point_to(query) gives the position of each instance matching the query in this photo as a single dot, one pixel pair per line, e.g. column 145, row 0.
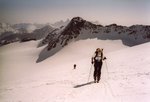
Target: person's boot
column 98, row 80
column 95, row 79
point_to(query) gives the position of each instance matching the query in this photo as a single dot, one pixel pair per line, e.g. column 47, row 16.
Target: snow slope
column 125, row 75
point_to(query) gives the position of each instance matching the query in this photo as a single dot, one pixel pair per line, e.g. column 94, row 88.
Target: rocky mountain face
column 79, row 28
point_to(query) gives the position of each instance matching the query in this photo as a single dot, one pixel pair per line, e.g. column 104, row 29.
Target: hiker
column 97, row 60
column 74, row 66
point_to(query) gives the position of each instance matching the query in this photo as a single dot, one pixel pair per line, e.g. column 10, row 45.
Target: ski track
column 97, row 90
column 121, row 81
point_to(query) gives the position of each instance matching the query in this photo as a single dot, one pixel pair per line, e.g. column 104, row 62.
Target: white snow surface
column 125, row 73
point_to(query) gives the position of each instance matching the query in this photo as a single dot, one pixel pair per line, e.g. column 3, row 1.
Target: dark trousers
column 97, row 70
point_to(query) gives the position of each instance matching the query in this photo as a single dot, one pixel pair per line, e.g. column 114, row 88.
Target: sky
column 123, row 12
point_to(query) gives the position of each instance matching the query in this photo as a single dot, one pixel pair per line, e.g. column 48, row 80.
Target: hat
column 98, row 49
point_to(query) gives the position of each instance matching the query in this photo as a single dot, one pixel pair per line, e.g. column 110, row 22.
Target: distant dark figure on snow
column 74, row 66
column 97, row 60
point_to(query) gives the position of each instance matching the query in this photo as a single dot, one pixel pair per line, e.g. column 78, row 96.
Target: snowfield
column 125, row 73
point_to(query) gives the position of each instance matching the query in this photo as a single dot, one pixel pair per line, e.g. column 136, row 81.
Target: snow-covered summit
column 78, row 29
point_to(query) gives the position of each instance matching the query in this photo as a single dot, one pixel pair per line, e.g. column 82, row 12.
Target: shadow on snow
column 84, row 84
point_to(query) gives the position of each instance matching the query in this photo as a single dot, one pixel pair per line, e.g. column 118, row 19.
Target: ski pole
column 106, row 67
column 90, row 72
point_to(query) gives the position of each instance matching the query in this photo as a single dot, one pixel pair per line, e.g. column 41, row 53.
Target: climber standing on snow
column 97, row 60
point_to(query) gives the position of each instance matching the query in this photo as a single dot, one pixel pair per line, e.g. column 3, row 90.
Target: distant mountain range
column 79, row 28
column 73, row 30
column 22, row 32
column 27, row 31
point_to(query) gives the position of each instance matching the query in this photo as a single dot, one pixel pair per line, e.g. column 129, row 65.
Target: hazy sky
column 124, row 12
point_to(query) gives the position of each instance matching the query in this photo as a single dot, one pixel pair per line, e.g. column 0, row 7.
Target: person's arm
column 103, row 57
column 92, row 60
column 102, row 54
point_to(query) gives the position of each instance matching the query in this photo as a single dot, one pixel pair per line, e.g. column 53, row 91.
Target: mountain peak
column 74, row 27
column 77, row 19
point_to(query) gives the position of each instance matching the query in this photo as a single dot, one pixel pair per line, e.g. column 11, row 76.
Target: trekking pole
column 106, row 67
column 90, row 73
